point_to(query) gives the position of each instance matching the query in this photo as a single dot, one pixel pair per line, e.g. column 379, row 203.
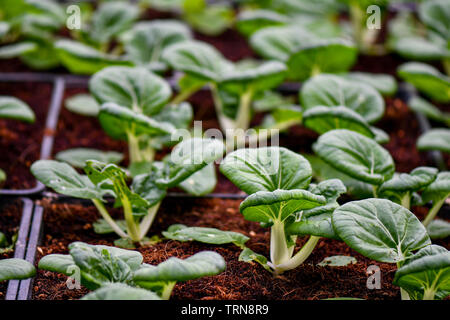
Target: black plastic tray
column 20, row 248
column 50, row 124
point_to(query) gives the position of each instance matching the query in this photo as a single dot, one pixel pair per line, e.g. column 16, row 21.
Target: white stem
column 300, row 256
column 433, row 212
column 104, row 213
column 279, row 252
column 146, row 223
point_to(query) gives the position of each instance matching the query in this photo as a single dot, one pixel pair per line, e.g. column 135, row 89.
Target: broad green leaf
column 180, row 116
column 117, row 120
column 135, row 88
column 270, row 100
column 323, row 119
column 438, row 229
column 61, row 263
column 120, row 291
column 427, row 80
column 435, row 139
column 17, row 49
column 436, row 15
column 383, row 83
column 188, row 157
column 183, row 233
column 381, row 136
column 209, row 19
column 426, row 275
column 265, row 206
column 250, row 21
column 148, row 39
column 355, row 155
column 403, row 183
column 43, row 57
column 420, row 105
column 204, row 263
column 16, row 269
column 262, row 77
column 266, row 169
column 201, row 182
column 421, row 49
column 83, row 104
column 279, row 43
column 332, row 90
column 13, row 108
column 112, row 18
column 438, row 190
column 82, row 59
column 197, row 59
column 337, row 261
column 77, row 157
column 324, row 56
column 64, row 179
column 248, row 255
column 380, row 229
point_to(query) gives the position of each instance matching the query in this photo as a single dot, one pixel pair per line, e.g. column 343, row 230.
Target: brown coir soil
column 20, row 142
column 10, row 213
column 65, row 223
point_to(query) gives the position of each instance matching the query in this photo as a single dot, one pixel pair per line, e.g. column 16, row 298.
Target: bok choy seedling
column 141, row 201
column 276, row 180
column 16, row 269
column 13, row 108
column 115, row 273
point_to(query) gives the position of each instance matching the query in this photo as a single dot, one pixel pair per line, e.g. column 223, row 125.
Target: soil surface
column 10, row 214
column 20, row 142
column 65, row 223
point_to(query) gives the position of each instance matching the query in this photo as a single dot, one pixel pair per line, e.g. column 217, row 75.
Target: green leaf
column 427, row 80
column 16, row 269
column 417, row 48
column 438, row 229
column 117, row 120
column 427, row 274
column 420, row 105
column 279, row 43
column 197, row 59
column 82, row 59
column 383, row 83
column 331, row 90
column 43, row 57
column 337, row 261
column 183, row 233
column 323, row 119
column 13, row 108
column 259, row 78
column 101, row 226
column 265, row 206
column 381, row 136
column 201, row 182
column 403, row 183
column 64, row 179
column 266, row 169
column 134, row 88
column 380, row 229
column 435, row 139
column 355, row 155
column 205, row 263
column 250, row 21
column 188, row 157
column 147, row 40
column 248, row 255
column 211, row 20
column 77, row 157
column 83, row 104
column 436, row 15
column 322, row 56
column 439, row 189
column 17, row 49
column 110, row 19
column 120, row 291
column 145, row 184
column 61, row 263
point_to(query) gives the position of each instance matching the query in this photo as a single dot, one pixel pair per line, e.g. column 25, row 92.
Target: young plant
column 437, row 192
column 426, row 276
column 357, row 156
column 16, row 269
column 114, row 273
column 276, row 179
column 435, row 139
column 304, row 53
column 141, row 201
column 387, row 232
column 13, row 108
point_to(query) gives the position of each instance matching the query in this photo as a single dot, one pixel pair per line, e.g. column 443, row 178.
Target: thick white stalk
column 279, row 252
column 104, row 213
column 300, row 256
column 146, row 223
